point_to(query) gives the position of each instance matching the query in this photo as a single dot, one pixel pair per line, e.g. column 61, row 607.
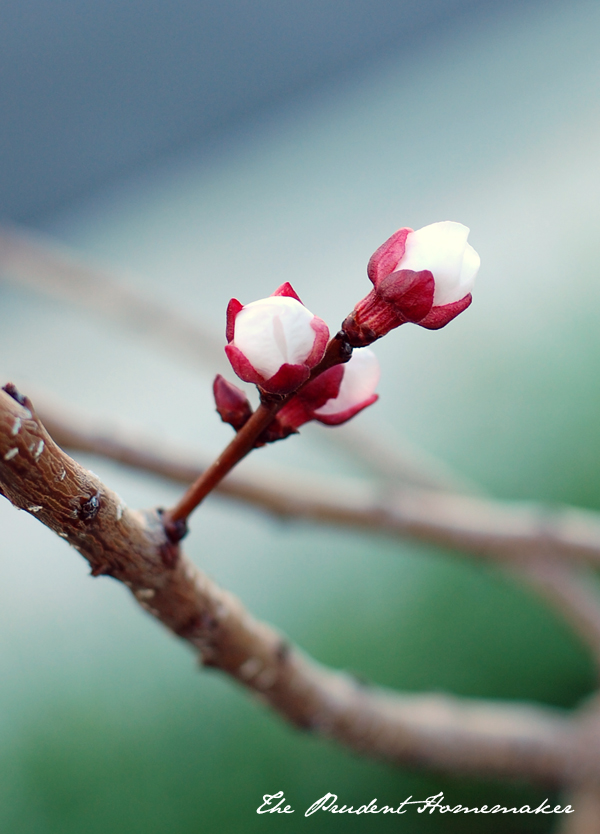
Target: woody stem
column 337, row 352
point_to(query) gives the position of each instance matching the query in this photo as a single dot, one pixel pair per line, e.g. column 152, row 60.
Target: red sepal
column 242, row 366
column 301, row 408
column 385, row 259
column 440, row 316
column 287, row 291
column 343, row 416
column 287, row 379
column 411, row 293
column 323, row 388
column 233, row 308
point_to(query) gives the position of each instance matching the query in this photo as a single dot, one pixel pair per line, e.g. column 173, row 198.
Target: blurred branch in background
column 546, row 550
column 499, row 530
column 586, row 820
column 573, row 593
column 567, row 587
column 400, row 462
column 30, row 261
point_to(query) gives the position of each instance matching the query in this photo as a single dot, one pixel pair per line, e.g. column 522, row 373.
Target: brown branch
column 210, row 478
column 584, row 793
column 337, row 352
column 480, row 527
column 448, row 734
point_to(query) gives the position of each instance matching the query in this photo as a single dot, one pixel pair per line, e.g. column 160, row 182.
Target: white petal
column 470, row 268
column 361, row 375
column 440, row 248
column 273, row 331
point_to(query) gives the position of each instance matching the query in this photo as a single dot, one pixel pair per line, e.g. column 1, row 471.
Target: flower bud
column 232, row 404
column 275, row 342
column 424, row 277
column 337, row 394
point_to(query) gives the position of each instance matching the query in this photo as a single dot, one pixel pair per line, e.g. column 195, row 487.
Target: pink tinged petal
column 344, row 416
column 233, row 308
column 440, row 316
column 274, row 331
column 387, row 257
column 321, row 339
column 287, row 291
column 357, row 390
column 440, row 248
column 470, row 268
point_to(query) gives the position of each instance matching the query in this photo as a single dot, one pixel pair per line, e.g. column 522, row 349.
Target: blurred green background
column 105, row 722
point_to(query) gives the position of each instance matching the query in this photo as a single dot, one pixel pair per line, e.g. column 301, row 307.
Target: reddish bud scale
column 336, row 395
column 301, row 408
column 232, row 404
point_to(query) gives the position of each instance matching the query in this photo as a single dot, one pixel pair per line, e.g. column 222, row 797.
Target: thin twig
column 337, row 352
column 449, row 734
column 210, row 478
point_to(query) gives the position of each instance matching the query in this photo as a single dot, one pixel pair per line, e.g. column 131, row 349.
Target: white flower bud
column 275, row 342
column 357, row 389
column 442, row 249
column 274, row 331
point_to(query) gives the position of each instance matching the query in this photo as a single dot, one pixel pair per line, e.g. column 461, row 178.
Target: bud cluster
column 422, row 276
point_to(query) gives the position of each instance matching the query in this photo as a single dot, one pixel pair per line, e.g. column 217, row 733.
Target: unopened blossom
column 422, row 276
column 232, row 404
column 275, row 342
column 336, row 395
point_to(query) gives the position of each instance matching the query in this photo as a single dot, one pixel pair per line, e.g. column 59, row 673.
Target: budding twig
column 237, row 449
column 175, row 520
